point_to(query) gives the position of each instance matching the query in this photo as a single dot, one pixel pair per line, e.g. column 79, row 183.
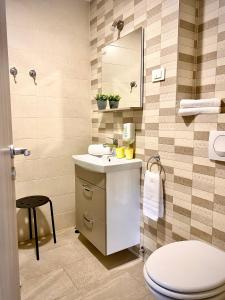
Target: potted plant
column 101, row 101
column 114, row 101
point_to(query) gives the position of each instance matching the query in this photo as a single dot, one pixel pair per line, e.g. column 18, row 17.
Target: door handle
column 18, row 151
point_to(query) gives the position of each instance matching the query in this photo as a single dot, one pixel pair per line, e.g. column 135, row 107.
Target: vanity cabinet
column 108, row 208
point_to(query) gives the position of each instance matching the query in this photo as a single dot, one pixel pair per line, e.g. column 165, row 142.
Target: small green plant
column 114, row 97
column 101, row 101
column 114, row 100
column 101, row 97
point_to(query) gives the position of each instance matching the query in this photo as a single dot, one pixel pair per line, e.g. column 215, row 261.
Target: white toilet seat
column 186, row 270
column 182, row 296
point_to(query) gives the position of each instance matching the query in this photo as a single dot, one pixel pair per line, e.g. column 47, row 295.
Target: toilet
column 186, row 270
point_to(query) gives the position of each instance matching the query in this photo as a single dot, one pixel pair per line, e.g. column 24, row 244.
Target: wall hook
column 119, row 25
column 33, row 75
column 14, row 72
column 133, row 84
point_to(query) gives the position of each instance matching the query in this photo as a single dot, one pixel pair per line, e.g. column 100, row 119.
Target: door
column 9, row 267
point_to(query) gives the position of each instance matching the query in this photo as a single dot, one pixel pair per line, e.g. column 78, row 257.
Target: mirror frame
column 141, row 67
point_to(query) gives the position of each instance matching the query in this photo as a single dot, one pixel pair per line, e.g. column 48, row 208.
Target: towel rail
column 156, row 161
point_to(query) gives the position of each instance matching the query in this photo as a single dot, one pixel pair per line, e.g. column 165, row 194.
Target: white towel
column 188, row 103
column 99, row 149
column 198, row 110
column 153, row 206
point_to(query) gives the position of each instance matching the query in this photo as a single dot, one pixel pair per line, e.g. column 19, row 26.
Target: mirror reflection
column 122, row 69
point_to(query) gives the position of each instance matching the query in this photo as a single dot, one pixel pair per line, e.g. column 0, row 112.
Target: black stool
column 31, row 202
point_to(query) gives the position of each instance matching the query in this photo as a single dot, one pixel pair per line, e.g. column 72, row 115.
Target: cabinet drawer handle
column 85, row 187
column 88, row 220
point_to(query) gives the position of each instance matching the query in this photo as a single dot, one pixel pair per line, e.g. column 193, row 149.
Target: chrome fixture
column 114, row 144
column 33, row 75
column 133, row 84
column 18, row 151
column 119, row 24
column 13, row 71
column 155, row 160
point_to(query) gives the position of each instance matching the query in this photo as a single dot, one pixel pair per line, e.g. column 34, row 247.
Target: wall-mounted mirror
column 122, row 69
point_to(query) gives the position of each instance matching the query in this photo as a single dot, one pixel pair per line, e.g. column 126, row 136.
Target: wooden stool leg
column 53, row 223
column 30, row 222
column 36, row 233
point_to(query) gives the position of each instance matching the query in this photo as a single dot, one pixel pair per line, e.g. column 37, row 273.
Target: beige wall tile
column 191, row 72
column 52, row 118
column 218, row 221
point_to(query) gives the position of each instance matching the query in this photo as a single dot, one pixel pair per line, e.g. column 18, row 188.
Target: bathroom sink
column 105, row 164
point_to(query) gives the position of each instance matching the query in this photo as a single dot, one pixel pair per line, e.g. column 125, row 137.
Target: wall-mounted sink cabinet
column 108, row 202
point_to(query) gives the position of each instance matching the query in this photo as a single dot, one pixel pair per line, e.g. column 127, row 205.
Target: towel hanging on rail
column 153, row 206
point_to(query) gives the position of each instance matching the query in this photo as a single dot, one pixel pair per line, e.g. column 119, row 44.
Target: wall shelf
column 107, row 110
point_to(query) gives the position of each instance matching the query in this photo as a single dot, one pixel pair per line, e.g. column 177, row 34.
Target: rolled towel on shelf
column 153, row 206
column 191, row 103
column 99, row 149
column 198, row 110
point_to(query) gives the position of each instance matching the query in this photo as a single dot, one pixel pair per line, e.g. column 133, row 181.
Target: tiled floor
column 74, row 269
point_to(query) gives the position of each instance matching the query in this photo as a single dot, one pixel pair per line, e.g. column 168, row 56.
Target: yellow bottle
column 129, row 153
column 120, row 152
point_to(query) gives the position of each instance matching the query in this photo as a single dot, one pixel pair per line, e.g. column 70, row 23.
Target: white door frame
column 9, row 263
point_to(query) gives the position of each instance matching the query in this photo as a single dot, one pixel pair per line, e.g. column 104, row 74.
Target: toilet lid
column 187, row 267
column 217, row 293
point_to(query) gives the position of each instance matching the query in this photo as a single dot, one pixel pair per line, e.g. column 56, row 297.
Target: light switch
column 158, row 74
column 217, row 145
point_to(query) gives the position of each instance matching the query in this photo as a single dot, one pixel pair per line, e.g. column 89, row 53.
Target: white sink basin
column 105, row 164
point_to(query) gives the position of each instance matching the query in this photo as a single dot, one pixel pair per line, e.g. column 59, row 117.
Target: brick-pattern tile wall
column 176, row 37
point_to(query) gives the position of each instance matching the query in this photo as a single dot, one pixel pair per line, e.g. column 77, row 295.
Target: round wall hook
column 13, row 71
column 133, row 84
column 33, row 74
column 119, row 24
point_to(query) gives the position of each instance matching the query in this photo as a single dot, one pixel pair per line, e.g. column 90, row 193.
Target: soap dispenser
column 129, row 133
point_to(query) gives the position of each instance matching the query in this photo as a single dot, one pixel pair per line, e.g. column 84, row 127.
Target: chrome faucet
column 114, row 143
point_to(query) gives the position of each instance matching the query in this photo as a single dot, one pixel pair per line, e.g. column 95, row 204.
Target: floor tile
column 73, row 269
column 122, row 287
column 33, row 268
column 47, row 287
column 63, row 255
column 86, row 272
